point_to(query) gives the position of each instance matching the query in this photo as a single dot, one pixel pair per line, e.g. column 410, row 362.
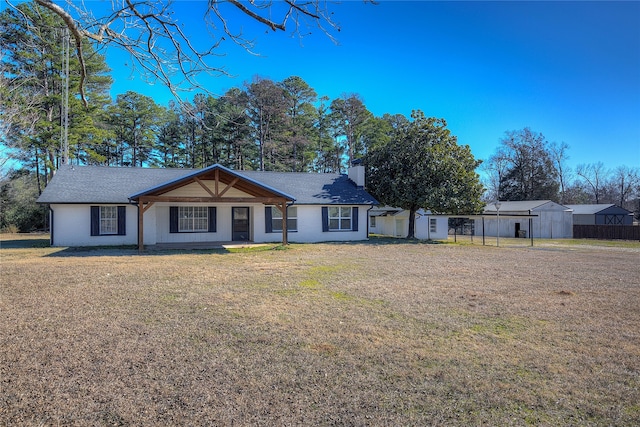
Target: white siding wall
column 310, row 227
column 423, row 231
column 72, row 227
column 549, row 224
column 223, row 223
column 398, row 226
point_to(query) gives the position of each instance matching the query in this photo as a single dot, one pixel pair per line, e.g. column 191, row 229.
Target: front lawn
column 378, row 333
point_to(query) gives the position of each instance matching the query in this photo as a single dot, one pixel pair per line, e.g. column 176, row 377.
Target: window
column 108, row 220
column 433, row 227
column 339, row 218
column 273, row 218
column 372, row 221
column 192, row 219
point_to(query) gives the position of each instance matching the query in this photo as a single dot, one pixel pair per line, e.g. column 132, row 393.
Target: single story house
column 601, row 214
column 97, row 205
column 541, row 218
column 389, row 221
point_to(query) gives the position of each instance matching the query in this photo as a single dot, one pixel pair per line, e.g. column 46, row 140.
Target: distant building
column 551, row 220
column 601, row 214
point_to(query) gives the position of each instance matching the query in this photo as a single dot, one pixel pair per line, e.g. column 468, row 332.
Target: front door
column 240, row 224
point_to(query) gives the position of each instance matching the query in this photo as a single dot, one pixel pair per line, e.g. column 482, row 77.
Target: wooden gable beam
column 177, row 199
column 229, row 186
column 202, row 184
column 216, row 176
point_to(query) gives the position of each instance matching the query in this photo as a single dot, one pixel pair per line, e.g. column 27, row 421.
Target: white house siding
column 150, row 226
column 423, row 227
column 72, row 226
column 223, row 223
column 398, row 226
column 310, row 227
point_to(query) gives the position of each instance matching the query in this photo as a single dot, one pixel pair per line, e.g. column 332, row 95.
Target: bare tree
column 594, row 175
column 496, row 169
column 559, row 156
column 624, row 182
column 158, row 44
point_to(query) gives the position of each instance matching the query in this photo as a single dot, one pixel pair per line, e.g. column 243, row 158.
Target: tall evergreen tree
column 135, row 121
column 350, row 117
column 238, row 151
column 328, row 152
column 32, row 37
column 299, row 98
column 267, row 110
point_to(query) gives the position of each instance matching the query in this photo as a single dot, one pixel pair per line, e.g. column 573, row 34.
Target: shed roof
column 599, row 208
column 520, row 206
column 102, row 184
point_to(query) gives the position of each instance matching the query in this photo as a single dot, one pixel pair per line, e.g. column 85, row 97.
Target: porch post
column 142, row 208
column 140, row 225
column 282, row 207
column 284, row 223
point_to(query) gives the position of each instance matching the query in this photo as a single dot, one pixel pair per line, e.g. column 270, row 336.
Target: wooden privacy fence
column 607, row 232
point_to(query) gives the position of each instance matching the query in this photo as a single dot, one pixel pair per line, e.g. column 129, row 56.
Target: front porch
column 192, row 203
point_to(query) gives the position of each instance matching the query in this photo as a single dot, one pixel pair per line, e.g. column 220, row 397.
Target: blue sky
column 570, row 70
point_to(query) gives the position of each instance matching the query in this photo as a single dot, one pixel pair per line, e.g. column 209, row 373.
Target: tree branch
column 159, row 48
column 77, row 36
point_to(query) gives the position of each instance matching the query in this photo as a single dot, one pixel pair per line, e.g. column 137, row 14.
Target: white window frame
column 338, row 216
column 276, row 219
column 193, row 219
column 108, row 220
column 433, row 225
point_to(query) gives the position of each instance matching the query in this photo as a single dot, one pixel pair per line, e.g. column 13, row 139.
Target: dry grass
column 346, row 334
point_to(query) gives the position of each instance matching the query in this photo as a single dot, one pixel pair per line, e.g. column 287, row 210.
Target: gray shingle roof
column 518, row 206
column 101, row 184
column 588, row 209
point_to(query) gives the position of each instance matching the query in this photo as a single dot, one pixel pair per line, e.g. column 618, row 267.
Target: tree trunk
column 412, row 223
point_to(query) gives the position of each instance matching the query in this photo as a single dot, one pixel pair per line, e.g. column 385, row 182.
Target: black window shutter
column 325, row 219
column 173, row 219
column 354, row 218
column 268, row 223
column 212, row 219
column 95, row 220
column 122, row 220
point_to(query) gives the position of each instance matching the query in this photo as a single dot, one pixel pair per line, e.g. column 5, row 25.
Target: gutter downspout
column 370, row 207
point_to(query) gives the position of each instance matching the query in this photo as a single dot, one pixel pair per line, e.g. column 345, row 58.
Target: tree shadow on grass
column 24, row 243
column 132, row 250
column 128, row 251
